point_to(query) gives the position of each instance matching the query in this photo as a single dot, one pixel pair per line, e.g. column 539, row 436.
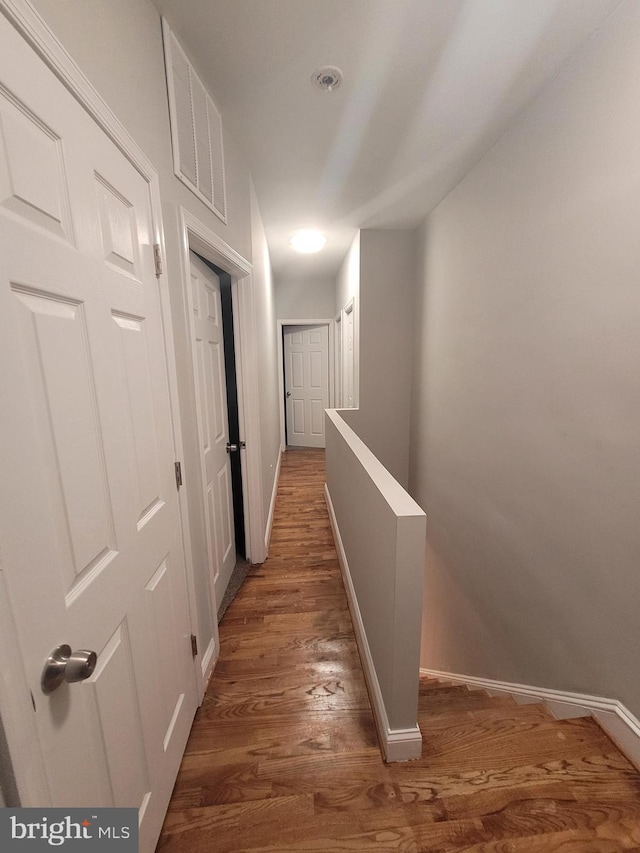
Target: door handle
column 64, row 665
column 231, row 448
column 288, row 393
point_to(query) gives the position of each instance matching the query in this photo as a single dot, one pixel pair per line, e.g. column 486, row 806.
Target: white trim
column 396, row 744
column 207, row 243
column 400, row 501
column 331, row 355
column 17, row 717
column 247, row 366
column 272, row 505
column 209, row 658
column 614, row 717
column 197, row 237
column 241, row 401
column 350, row 308
column 203, row 662
column 337, row 362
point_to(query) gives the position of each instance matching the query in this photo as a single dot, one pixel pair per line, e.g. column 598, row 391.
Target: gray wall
column 348, row 280
column 305, row 299
column 387, row 279
column 382, row 531
column 525, row 441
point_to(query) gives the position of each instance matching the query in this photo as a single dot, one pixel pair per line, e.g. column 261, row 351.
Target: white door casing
column 348, row 357
column 92, row 551
column 213, row 426
column 338, row 343
column 196, row 236
column 306, row 360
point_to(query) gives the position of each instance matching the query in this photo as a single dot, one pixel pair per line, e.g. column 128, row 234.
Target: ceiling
column 429, row 86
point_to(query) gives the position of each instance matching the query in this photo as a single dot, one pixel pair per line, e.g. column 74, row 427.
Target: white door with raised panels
column 306, row 382
column 213, row 423
column 91, row 539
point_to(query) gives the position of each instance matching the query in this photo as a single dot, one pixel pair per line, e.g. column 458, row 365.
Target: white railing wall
column 380, row 534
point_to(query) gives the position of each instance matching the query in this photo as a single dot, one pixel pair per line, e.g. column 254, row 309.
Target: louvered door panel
column 217, row 159
column 196, row 129
column 201, row 133
column 182, row 122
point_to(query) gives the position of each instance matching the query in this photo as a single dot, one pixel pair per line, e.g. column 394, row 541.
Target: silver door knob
column 64, row 665
column 231, row 448
column 288, row 393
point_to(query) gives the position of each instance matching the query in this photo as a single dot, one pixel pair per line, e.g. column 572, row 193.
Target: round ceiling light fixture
column 307, row 241
column 327, row 78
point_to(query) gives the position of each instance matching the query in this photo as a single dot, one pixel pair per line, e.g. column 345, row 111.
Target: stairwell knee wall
column 525, row 450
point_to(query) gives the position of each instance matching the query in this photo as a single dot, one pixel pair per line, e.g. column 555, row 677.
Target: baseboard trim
column 617, row 720
column 272, row 506
column 396, row 744
column 208, row 662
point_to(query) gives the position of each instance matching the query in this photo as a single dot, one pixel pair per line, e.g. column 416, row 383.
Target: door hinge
column 157, row 258
column 194, row 645
column 178, row 471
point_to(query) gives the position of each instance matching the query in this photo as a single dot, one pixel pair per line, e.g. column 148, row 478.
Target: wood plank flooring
column 283, row 753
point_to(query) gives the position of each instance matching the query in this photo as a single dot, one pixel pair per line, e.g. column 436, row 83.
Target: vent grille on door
column 196, row 129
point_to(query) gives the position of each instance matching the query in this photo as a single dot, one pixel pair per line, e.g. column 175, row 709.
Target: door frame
column 337, row 361
column 349, row 309
column 280, row 332
column 208, row 653
column 197, row 237
column 26, row 773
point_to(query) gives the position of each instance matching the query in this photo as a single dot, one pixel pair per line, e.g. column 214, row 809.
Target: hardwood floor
column 283, row 753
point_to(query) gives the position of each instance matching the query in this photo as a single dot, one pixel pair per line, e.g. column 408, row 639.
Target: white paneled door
column 91, row 539
column 213, row 423
column 306, row 376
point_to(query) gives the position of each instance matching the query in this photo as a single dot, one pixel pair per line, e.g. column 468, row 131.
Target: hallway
column 283, row 753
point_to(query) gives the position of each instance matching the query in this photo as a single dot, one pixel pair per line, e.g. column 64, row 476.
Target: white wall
column 118, row 46
column 267, row 344
column 525, row 441
column 305, row 299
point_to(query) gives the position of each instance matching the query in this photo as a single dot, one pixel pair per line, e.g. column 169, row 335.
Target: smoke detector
column 327, row 78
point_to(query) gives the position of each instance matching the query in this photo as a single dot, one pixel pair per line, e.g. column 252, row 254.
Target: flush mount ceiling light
column 307, row 241
column 327, row 78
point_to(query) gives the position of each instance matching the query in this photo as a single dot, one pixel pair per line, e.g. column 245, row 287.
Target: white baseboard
column 396, row 744
column 208, row 662
column 272, row 506
column 618, row 722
